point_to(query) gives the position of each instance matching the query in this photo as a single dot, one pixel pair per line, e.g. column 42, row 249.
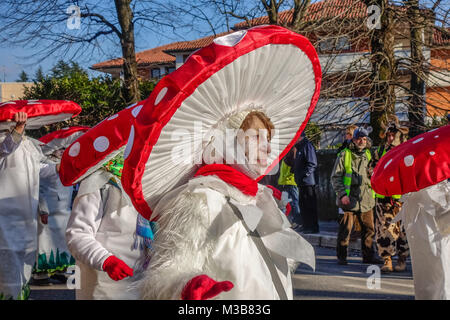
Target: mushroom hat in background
column 61, row 139
column 40, row 112
column 416, row 164
column 98, row 145
column 419, row 169
column 266, row 68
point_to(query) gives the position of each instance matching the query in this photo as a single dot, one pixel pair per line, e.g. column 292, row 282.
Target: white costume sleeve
column 82, row 227
column 10, row 143
column 180, row 251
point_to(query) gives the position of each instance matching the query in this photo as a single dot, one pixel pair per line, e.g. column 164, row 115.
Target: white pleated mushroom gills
column 268, row 69
column 418, row 163
column 40, row 112
column 98, row 145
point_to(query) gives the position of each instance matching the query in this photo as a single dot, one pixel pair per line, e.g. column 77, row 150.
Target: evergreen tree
column 39, row 75
column 23, row 77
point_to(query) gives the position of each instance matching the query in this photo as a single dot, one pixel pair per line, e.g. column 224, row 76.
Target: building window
column 155, row 73
column 185, row 56
column 343, row 44
column 169, row 70
column 340, row 44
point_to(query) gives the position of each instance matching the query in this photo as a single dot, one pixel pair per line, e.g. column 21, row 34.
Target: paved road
column 335, row 282
column 330, row 282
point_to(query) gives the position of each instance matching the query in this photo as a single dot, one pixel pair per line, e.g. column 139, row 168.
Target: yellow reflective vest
column 286, row 176
column 395, row 196
column 349, row 171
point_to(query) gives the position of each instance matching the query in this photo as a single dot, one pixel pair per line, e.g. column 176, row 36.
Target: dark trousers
column 308, row 207
column 346, row 222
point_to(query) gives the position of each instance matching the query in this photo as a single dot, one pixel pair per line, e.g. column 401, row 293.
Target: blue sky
column 15, row 59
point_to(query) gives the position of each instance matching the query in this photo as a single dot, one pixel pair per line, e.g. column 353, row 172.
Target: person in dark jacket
column 305, row 165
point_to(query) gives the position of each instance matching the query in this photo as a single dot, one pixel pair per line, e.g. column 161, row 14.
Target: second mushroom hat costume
column 419, row 169
column 101, row 230
column 218, row 230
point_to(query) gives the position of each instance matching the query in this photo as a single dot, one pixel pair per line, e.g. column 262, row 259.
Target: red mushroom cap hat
column 40, row 112
column 266, row 68
column 97, row 145
column 416, row 164
column 61, row 138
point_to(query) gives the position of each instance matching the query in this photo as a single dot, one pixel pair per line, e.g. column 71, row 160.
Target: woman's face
column 257, row 143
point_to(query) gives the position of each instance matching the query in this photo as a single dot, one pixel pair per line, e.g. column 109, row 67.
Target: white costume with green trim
column 54, row 200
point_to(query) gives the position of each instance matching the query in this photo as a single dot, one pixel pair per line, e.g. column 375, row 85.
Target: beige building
column 12, row 90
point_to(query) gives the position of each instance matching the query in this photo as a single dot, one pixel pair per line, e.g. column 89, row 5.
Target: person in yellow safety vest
column 286, row 181
column 351, row 182
column 390, row 237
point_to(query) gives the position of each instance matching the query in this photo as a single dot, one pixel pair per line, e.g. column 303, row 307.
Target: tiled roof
column 194, row 44
column 161, row 54
column 350, row 9
column 151, row 56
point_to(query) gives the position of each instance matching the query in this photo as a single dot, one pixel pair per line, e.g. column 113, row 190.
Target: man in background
column 351, row 182
column 305, row 165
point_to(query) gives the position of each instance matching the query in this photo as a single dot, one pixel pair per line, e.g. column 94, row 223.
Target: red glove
column 288, row 209
column 203, row 287
column 116, row 268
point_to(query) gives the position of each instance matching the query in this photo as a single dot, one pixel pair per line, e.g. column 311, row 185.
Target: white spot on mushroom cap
column 129, row 146
column 101, row 144
column 131, row 105
column 230, row 40
column 161, row 95
column 418, row 140
column 388, row 163
column 113, row 117
column 436, row 136
column 391, row 179
column 432, row 153
column 136, row 110
column 409, row 160
column 74, row 149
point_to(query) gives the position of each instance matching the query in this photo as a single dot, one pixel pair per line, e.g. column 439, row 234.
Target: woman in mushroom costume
column 100, row 233
column 419, row 170
column 55, row 205
column 192, row 171
column 22, row 164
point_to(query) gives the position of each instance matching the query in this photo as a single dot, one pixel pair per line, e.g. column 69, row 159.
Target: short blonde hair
column 261, row 116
